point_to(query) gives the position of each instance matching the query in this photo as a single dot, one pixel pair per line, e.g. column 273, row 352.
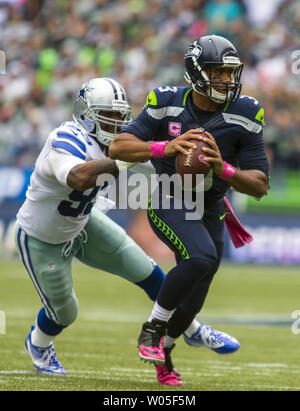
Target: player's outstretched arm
column 128, row 147
column 85, row 176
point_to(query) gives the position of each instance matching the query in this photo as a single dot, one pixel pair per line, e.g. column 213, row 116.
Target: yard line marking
column 225, row 365
column 107, row 375
column 212, row 364
column 261, row 319
column 255, row 319
column 7, row 372
column 249, row 386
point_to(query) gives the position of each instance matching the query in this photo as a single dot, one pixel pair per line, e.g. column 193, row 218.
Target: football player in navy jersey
column 233, row 126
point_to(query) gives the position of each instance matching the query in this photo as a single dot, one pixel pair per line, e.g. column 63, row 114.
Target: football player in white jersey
column 57, row 222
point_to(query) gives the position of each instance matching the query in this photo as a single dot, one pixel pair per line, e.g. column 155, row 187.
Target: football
column 193, row 163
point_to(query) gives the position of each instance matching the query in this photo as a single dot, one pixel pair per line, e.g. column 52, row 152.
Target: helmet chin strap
column 215, row 96
column 104, row 137
column 94, row 130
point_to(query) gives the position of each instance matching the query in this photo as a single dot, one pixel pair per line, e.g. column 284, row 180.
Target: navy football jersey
column 237, row 128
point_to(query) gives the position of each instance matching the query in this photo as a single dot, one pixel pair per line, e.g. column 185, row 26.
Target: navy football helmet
column 210, row 51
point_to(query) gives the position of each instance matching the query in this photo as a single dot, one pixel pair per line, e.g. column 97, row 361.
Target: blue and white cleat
column 44, row 359
column 215, row 340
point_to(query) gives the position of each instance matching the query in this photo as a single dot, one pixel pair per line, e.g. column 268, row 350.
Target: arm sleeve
column 252, row 155
column 60, row 164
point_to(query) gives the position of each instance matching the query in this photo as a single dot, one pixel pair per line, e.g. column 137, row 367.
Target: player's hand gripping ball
column 193, row 163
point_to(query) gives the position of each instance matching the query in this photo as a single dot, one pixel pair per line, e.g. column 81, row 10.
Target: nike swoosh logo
column 151, row 351
column 221, row 217
column 150, row 330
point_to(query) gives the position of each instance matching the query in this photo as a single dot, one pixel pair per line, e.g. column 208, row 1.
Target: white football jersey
column 52, row 211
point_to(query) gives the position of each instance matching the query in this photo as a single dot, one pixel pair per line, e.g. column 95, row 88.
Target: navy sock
column 152, row 284
column 46, row 325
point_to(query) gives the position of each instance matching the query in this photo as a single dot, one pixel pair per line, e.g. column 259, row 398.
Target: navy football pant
column 198, row 246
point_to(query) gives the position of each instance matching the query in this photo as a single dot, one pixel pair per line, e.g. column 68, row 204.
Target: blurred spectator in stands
column 260, row 13
column 224, row 18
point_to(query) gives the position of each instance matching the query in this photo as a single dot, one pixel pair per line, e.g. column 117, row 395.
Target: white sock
column 193, row 327
column 168, row 341
column 160, row 313
column 40, row 339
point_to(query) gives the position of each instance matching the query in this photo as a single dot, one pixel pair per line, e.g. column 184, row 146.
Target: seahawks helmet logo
column 193, row 51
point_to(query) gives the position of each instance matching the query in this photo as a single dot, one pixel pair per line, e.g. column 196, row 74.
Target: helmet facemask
column 107, row 123
column 219, row 91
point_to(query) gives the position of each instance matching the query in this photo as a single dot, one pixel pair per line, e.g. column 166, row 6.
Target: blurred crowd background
column 53, row 46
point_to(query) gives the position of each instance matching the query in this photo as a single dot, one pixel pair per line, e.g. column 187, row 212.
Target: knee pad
column 135, row 265
column 197, row 267
column 66, row 311
column 60, row 299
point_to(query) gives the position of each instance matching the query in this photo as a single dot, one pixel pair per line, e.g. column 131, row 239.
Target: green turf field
column 253, row 303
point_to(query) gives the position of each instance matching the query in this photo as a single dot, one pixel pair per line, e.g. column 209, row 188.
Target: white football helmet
column 102, row 101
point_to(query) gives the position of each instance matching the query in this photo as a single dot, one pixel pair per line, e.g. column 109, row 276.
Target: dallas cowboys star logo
column 82, row 91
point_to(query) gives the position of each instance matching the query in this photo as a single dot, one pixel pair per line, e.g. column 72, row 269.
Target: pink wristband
column 158, row 148
column 228, row 172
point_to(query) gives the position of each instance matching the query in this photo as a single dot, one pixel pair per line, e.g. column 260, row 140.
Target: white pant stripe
column 26, row 258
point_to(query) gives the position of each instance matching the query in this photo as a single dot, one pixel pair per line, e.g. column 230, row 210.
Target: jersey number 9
column 84, row 207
